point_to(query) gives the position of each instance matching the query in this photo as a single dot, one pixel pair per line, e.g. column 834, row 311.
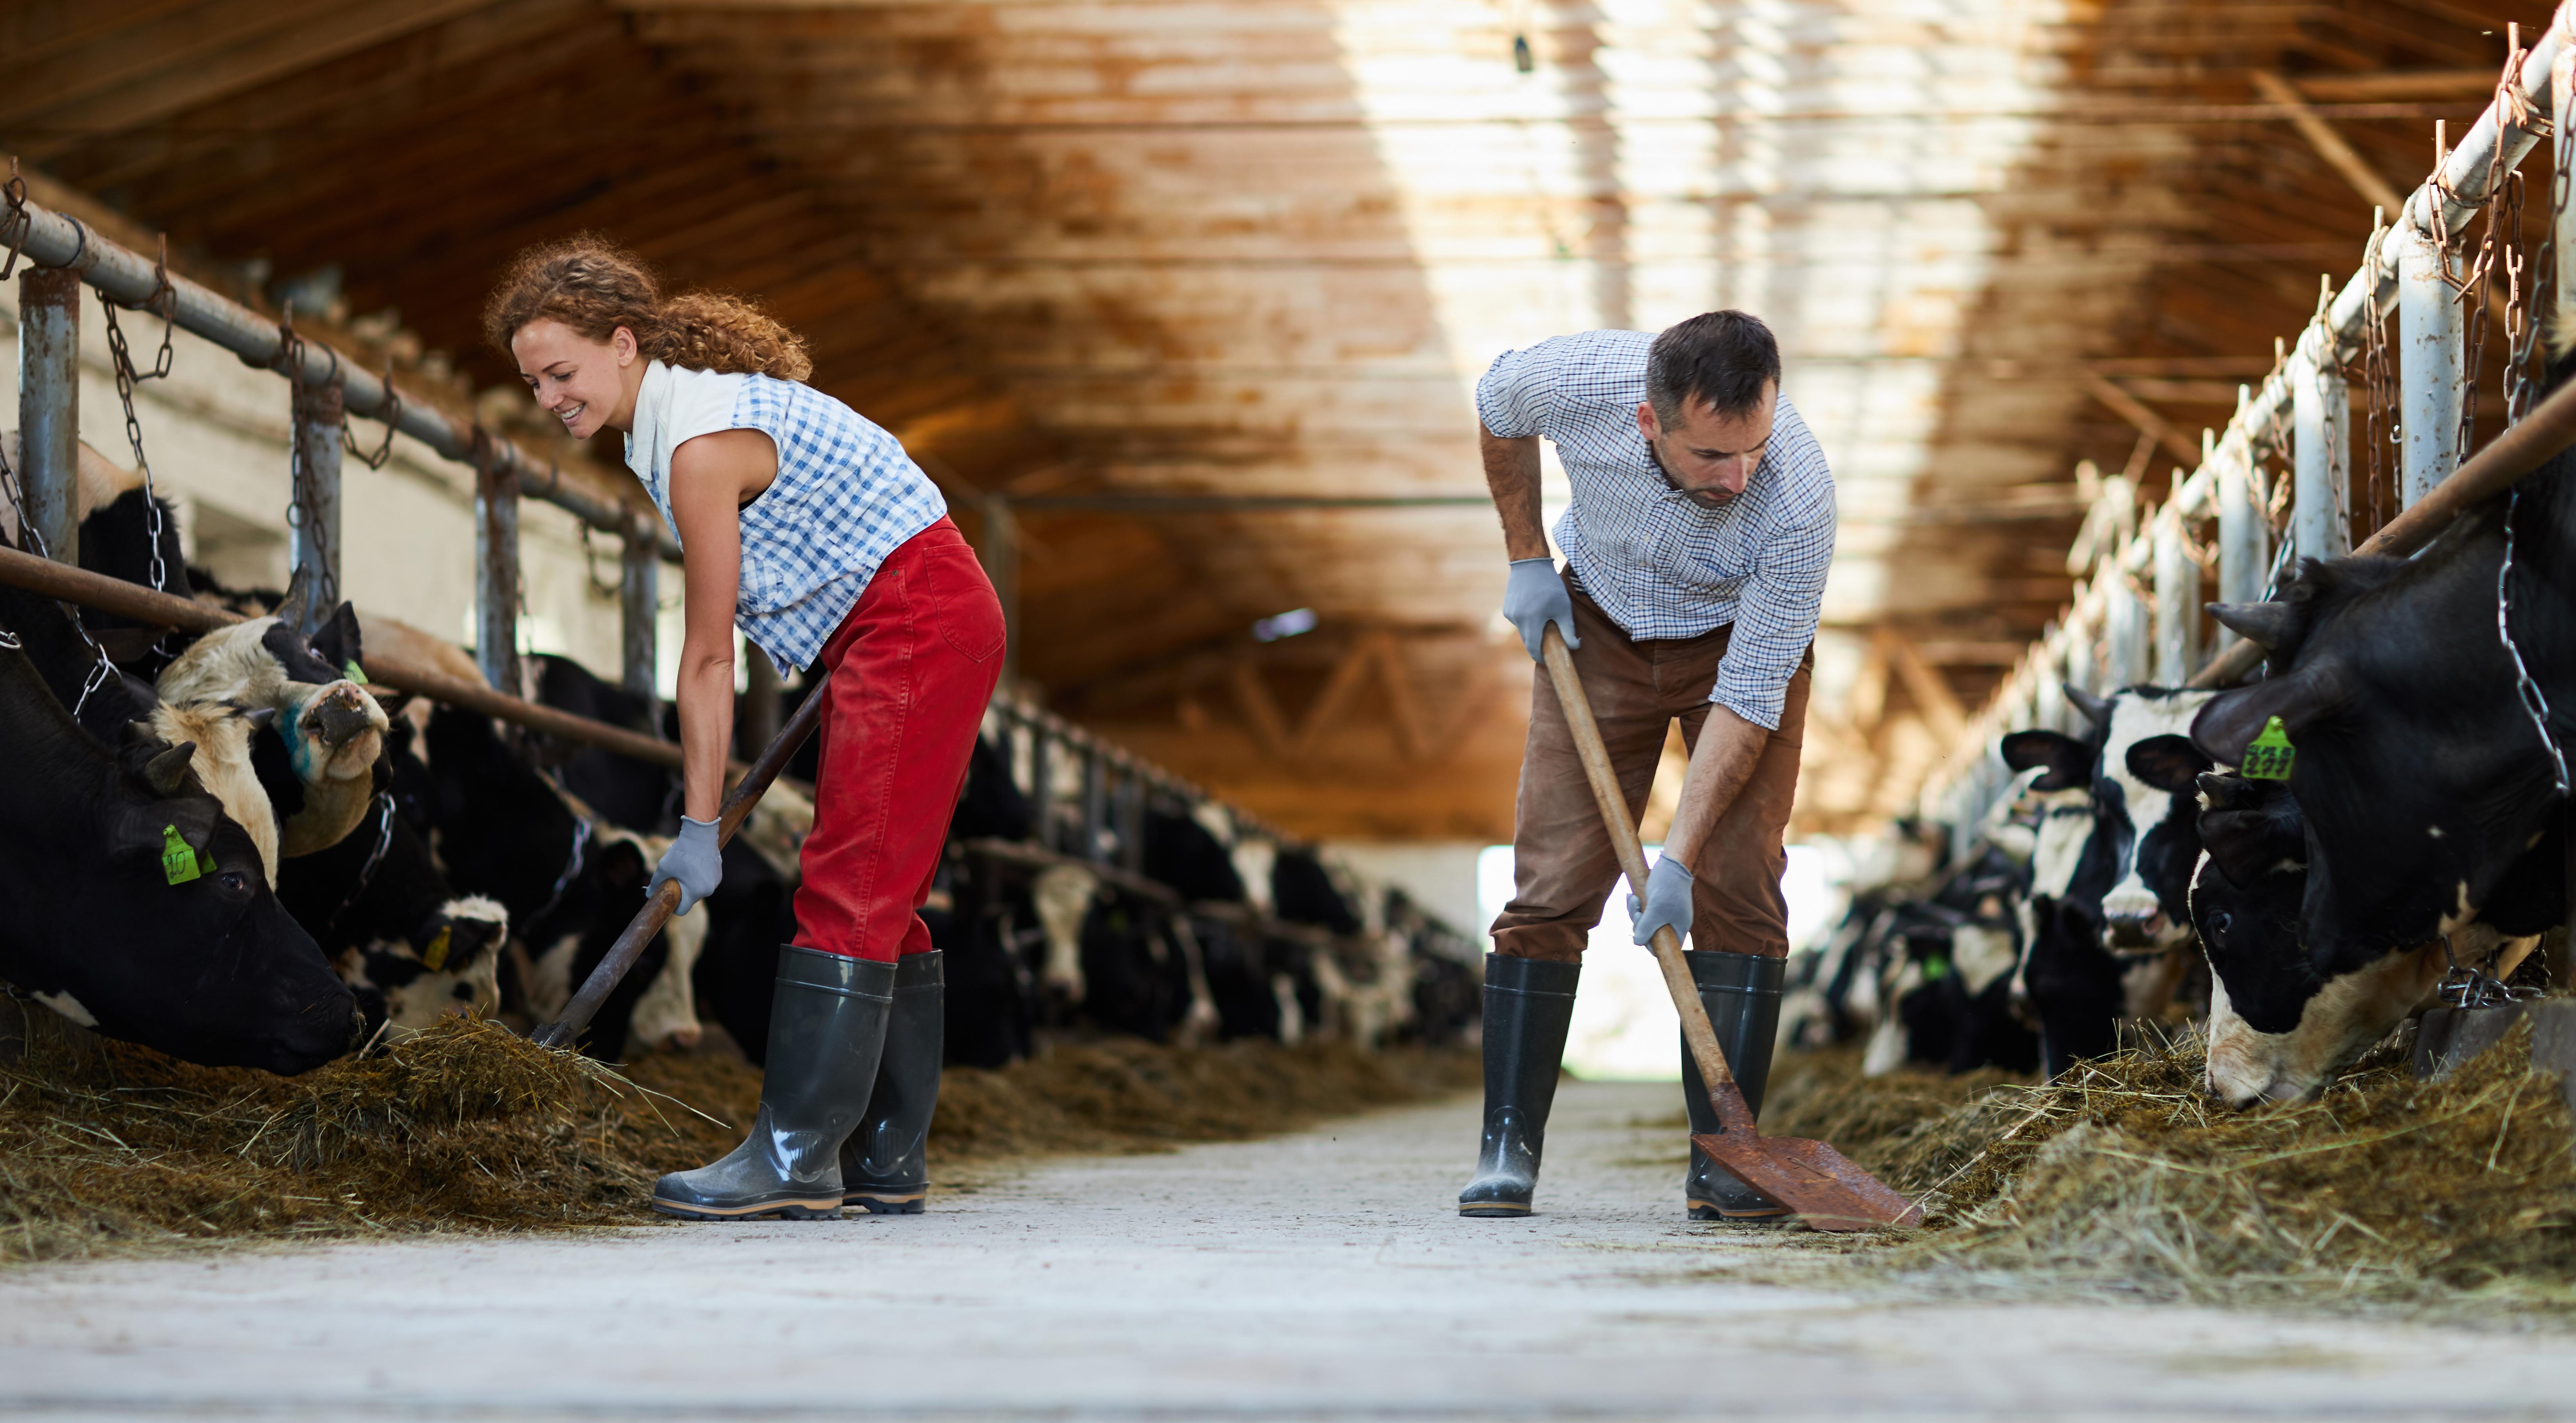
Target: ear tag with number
column 2271, row 755
column 179, row 860
column 434, row 957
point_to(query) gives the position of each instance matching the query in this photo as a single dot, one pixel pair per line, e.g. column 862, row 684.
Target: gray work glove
column 1535, row 597
column 695, row 860
column 1667, row 902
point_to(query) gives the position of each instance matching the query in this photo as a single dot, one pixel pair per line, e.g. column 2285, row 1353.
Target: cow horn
column 2266, row 625
column 167, row 772
column 2097, row 710
column 295, row 610
column 259, row 717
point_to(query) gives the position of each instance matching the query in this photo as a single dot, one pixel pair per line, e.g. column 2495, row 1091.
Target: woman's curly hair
column 594, row 286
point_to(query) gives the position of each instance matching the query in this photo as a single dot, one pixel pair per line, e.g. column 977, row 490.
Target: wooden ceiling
column 1214, row 247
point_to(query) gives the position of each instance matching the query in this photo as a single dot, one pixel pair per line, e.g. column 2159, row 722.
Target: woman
column 811, row 530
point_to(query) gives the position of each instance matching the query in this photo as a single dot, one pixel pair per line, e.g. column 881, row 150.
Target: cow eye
column 234, row 884
column 2220, row 923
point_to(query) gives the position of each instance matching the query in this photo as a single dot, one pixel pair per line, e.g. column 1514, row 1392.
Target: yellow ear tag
column 179, row 862
column 434, row 957
column 2271, row 755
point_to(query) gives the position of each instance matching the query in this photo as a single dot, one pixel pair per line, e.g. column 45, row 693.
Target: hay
column 2125, row 1180
column 108, row 1148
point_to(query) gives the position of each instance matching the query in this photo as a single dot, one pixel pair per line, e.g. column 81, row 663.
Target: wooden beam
column 2330, row 145
column 1939, row 706
column 2398, row 84
column 1259, row 708
column 1412, row 733
column 2128, row 407
column 1336, row 696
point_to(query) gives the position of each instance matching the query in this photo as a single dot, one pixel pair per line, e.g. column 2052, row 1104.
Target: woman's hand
column 712, row 476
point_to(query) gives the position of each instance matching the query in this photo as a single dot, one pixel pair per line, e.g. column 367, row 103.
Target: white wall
column 1439, row 875
column 216, row 432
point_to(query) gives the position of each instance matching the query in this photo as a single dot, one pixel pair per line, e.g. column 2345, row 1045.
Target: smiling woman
column 810, row 529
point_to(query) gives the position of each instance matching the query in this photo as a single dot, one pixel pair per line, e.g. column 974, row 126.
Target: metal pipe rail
column 2305, row 391
column 131, row 279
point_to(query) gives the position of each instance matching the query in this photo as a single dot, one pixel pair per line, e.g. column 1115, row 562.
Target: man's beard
column 1704, row 498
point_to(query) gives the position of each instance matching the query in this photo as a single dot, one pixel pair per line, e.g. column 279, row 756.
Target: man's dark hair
column 1722, row 357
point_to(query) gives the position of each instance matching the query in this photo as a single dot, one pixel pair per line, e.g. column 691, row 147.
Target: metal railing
column 2276, row 484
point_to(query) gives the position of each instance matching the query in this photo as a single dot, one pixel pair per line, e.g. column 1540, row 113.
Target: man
column 1696, row 546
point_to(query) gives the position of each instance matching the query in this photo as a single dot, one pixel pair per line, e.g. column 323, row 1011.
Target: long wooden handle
column 657, row 911
column 1733, row 1114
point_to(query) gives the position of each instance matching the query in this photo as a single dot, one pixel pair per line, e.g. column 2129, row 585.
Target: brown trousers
column 1562, row 861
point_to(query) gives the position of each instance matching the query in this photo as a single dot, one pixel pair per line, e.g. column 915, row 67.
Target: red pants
column 909, row 674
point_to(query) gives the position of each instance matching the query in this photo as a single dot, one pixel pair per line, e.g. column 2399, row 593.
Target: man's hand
column 1535, row 597
column 1668, row 900
column 695, row 860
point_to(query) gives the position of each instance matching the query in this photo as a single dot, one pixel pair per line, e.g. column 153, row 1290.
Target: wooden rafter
column 2330, row 144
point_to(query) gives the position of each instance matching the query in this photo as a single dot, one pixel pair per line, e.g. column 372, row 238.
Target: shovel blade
column 1821, row 1184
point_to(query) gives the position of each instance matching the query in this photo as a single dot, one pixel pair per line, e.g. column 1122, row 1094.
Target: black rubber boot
column 885, row 1165
column 1742, row 995
column 827, row 1027
column 1528, row 1005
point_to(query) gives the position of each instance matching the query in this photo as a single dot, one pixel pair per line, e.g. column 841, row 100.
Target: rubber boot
column 885, row 1165
column 1742, row 995
column 827, row 1027
column 1529, row 1003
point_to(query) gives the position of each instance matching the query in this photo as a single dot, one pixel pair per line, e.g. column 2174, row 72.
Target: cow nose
column 341, row 718
column 2135, row 931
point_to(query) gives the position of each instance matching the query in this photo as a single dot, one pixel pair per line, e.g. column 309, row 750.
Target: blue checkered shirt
column 1658, row 564
column 845, row 498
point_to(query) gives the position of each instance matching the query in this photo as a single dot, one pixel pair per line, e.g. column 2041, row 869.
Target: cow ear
column 2069, row 761
column 336, row 640
column 2269, row 626
column 2220, row 790
column 167, row 772
column 295, row 610
column 2097, row 710
column 2232, row 720
column 2168, row 763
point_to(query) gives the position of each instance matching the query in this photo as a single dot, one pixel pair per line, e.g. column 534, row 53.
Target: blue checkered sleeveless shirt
column 846, row 497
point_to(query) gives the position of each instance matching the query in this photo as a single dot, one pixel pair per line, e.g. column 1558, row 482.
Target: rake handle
column 1733, row 1113
column 566, row 1030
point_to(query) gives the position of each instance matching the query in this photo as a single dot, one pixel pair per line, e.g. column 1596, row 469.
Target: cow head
column 135, row 905
column 2141, row 792
column 449, row 965
column 2421, row 778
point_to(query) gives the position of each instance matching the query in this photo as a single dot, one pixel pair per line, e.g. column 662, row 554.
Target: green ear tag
column 353, row 671
column 2271, row 755
column 178, row 860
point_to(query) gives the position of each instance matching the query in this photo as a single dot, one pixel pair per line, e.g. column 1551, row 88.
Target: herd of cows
column 233, row 849
column 2415, row 851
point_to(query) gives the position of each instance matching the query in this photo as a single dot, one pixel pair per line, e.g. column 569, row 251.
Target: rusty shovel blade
column 1825, row 1188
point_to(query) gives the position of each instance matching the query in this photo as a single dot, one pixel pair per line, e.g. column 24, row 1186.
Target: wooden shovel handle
column 1733, row 1114
column 657, row 911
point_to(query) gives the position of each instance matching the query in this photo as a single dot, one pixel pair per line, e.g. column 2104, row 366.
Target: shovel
column 657, row 911
column 1821, row 1184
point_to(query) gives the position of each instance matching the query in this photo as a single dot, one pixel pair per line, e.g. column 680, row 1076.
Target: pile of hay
column 2125, row 1179
column 110, row 1148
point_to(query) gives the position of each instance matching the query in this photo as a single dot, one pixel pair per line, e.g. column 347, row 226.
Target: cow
column 132, row 904
column 408, row 946
column 1945, row 975
column 2279, row 1029
column 2421, row 778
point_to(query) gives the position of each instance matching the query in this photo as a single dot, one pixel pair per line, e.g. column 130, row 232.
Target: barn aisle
column 1318, row 1275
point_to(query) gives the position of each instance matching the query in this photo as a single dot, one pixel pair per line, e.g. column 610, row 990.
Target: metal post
column 639, row 607
column 2432, row 346
column 1131, row 819
column 313, row 540
column 49, row 406
column 2177, row 606
column 1001, row 555
column 1095, row 804
column 496, row 573
column 2121, row 631
column 2321, row 422
column 2242, row 533
column 758, row 723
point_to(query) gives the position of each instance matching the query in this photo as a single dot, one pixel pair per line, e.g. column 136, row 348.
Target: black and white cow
column 409, row 947
column 132, row 904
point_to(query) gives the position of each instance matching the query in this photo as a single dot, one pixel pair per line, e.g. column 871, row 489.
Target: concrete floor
column 1321, row 1275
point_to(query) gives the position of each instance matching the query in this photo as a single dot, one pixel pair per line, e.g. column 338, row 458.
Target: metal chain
column 375, row 857
column 390, row 412
column 17, row 223
column 605, row 587
column 30, row 539
column 121, row 357
column 2476, row 986
column 2382, row 431
column 2535, row 703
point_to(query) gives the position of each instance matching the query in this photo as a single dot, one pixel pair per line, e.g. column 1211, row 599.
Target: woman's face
column 588, row 385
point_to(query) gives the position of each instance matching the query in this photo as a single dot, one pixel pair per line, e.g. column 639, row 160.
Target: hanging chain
column 16, row 223
column 605, row 587
column 2382, row 430
column 166, row 297
column 390, row 412
column 2535, row 703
